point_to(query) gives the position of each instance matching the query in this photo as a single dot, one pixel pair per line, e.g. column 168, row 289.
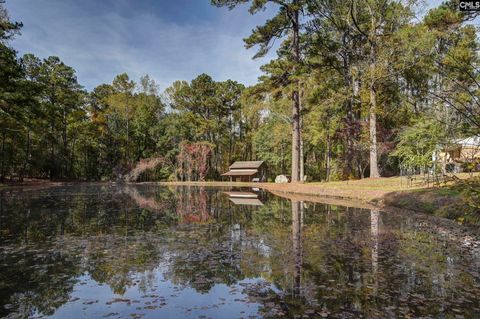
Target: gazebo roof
column 246, row 164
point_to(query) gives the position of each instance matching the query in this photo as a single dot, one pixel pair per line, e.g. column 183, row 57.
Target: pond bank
column 446, row 201
column 27, row 182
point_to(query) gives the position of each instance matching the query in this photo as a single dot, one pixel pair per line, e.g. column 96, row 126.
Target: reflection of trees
column 101, row 225
column 374, row 216
column 36, row 280
column 351, row 267
column 191, row 204
column 41, row 241
column 187, row 204
column 297, row 208
column 146, row 202
column 200, row 260
column 307, row 256
column 215, row 252
column 113, row 261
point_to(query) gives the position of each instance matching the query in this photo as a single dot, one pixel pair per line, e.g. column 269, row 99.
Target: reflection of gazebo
column 244, row 198
column 247, row 171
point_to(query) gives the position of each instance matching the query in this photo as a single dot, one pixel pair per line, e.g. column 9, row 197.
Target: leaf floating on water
column 118, row 300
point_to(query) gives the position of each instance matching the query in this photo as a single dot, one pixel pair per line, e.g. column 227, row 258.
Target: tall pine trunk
column 302, row 149
column 373, row 134
column 2, row 178
column 25, row 170
column 327, row 158
column 65, row 144
column 349, row 136
column 296, row 129
column 373, row 100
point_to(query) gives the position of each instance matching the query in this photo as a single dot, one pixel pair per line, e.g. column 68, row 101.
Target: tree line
column 358, row 88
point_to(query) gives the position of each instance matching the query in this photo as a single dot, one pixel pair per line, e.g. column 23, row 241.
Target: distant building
column 461, row 151
column 251, row 171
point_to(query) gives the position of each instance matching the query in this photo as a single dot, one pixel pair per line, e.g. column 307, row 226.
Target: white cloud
column 101, row 44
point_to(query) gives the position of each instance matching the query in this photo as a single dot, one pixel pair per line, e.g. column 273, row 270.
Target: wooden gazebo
column 247, row 171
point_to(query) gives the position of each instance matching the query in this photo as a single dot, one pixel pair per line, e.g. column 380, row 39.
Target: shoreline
column 445, row 201
column 441, row 201
column 290, row 188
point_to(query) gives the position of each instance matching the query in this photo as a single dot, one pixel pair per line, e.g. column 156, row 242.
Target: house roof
column 246, row 164
column 473, row 141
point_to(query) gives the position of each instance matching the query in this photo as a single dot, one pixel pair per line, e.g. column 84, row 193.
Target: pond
column 147, row 251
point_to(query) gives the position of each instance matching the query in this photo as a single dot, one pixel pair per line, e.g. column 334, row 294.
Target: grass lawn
column 448, row 200
column 384, row 183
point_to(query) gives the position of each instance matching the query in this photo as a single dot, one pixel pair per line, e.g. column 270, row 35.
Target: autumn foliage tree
column 193, row 160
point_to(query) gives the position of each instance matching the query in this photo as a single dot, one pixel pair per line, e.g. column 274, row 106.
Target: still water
column 146, row 251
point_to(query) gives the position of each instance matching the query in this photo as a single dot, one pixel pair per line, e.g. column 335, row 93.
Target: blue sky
column 167, row 39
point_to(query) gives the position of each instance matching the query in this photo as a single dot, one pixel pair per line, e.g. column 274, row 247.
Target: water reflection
column 245, row 198
column 148, row 251
column 374, row 219
column 297, row 223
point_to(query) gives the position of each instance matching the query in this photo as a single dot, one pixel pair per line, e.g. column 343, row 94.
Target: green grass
column 451, row 201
